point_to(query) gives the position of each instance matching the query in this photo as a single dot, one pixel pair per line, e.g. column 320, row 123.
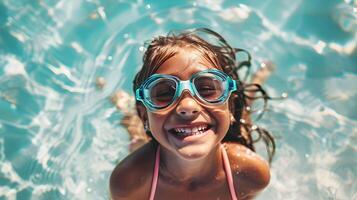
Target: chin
column 194, row 152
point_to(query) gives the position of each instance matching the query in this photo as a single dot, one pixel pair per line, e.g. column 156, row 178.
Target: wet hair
column 223, row 57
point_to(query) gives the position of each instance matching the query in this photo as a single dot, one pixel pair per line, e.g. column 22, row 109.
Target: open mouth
column 189, row 131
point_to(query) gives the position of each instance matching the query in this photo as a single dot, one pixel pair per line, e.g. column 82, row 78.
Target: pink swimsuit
column 227, row 169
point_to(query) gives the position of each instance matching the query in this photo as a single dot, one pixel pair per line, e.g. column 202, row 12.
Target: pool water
column 60, row 136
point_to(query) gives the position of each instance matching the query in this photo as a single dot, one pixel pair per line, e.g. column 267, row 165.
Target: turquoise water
column 60, row 135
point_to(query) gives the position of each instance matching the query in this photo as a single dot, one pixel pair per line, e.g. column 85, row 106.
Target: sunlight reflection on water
column 60, row 135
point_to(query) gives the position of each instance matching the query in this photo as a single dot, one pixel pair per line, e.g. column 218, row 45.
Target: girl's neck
column 178, row 171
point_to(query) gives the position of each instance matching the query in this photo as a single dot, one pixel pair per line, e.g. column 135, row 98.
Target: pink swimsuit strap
column 227, row 169
column 156, row 174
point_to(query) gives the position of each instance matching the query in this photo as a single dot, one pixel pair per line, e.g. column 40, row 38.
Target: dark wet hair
column 223, row 56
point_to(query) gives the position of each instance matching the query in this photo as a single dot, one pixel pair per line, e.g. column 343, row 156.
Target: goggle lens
column 162, row 92
column 209, row 87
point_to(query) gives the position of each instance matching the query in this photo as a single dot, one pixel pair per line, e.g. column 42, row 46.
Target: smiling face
column 188, row 128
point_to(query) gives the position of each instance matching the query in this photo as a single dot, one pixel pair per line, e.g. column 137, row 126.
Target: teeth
column 200, row 128
column 190, row 131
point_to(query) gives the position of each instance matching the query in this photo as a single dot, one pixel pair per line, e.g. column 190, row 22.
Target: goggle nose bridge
column 185, row 85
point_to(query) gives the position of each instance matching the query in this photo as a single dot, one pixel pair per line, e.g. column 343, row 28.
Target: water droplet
column 148, row 6
column 324, row 140
column 194, row 4
column 284, row 95
column 141, row 48
column 254, row 127
column 307, row 155
column 63, row 192
column 263, row 65
column 109, row 57
column 126, row 36
column 102, row 13
column 100, row 82
column 89, row 189
column 93, row 15
column 319, row 47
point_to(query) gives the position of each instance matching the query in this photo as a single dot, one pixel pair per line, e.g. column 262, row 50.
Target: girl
column 191, row 102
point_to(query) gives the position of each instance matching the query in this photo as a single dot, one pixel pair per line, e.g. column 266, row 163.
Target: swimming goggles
column 210, row 87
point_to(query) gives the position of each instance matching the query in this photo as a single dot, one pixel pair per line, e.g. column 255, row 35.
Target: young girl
column 191, row 103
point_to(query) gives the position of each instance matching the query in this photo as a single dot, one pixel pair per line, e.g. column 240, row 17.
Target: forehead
column 185, row 63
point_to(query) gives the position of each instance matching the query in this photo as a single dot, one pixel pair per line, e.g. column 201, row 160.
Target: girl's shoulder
column 250, row 171
column 131, row 178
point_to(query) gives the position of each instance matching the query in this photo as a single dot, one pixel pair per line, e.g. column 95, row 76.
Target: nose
column 188, row 108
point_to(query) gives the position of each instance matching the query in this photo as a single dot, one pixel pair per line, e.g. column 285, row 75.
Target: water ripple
column 59, row 133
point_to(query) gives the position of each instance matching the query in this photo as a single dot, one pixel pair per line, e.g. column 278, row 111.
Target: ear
column 140, row 108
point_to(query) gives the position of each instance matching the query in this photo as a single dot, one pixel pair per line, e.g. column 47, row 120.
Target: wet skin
column 190, row 168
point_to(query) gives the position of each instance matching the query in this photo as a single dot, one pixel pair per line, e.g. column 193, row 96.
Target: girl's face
column 188, row 113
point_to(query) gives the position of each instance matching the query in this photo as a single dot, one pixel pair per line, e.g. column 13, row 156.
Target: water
column 59, row 134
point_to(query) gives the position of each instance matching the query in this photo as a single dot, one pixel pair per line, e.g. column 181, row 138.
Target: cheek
column 225, row 118
column 222, row 117
column 156, row 122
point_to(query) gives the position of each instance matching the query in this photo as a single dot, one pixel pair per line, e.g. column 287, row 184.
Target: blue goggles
column 210, row 87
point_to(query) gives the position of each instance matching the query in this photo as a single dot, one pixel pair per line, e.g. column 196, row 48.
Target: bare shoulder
column 250, row 171
column 132, row 176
